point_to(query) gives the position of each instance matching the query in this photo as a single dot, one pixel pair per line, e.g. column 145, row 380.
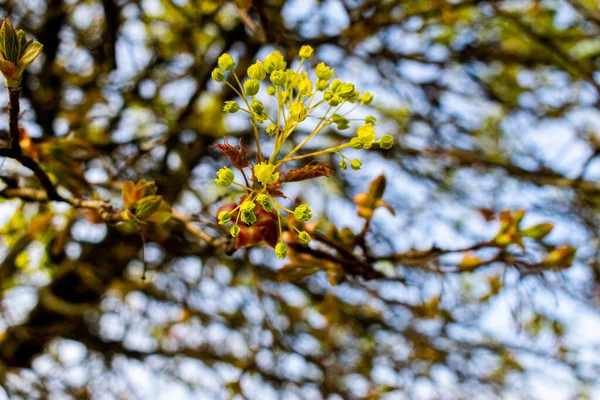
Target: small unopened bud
column 306, row 52
column 303, row 213
column 218, row 75
column 386, row 142
column 251, row 87
column 235, row 230
column 231, row 107
column 257, row 71
column 225, row 177
column 281, row 250
column 355, row 164
column 366, row 98
column 323, row 72
column 224, row 217
column 226, row 62
column 257, row 106
column 304, row 237
column 278, row 78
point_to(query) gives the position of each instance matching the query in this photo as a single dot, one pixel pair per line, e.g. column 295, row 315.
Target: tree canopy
column 265, row 199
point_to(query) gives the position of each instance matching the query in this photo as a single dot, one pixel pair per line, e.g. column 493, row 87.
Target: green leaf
column 29, row 56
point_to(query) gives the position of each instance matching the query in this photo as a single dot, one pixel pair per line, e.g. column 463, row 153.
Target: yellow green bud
column 386, row 142
column 357, row 143
column 341, row 121
column 257, row 106
column 247, row 206
column 218, row 75
column 225, row 177
column 305, row 87
column 281, row 250
column 271, row 129
column 306, row 52
column 271, row 91
column 355, row 164
column 367, row 134
column 335, row 101
column 303, row 212
column 278, row 78
column 235, row 230
column 257, row 71
column 322, row 85
column 248, row 217
column 231, row 107
column 304, row 237
column 323, row 72
column 263, row 200
column 274, row 62
column 343, row 164
column 335, row 85
column 226, row 62
column 353, row 97
column 371, row 120
column 345, row 89
column 224, row 217
column 366, row 98
column 265, row 173
column 298, row 112
column 251, row 87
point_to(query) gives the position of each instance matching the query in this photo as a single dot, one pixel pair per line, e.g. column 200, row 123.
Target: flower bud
column 345, row 89
column 271, row 91
column 218, row 75
column 278, row 78
column 355, row 164
column 271, row 129
column 353, row 97
column 235, row 230
column 257, row 106
column 248, row 217
column 357, row 143
column 335, row 85
column 226, row 62
column 366, row 98
column 367, row 134
column 370, row 120
column 343, row 164
column 386, row 142
column 281, row 250
column 265, row 173
column 224, row 217
column 304, row 237
column 225, row 177
column 231, row 107
column 305, row 87
column 306, row 52
column 257, row 71
column 303, row 212
column 322, row 84
column 247, row 206
column 251, row 87
column 341, row 122
column 274, row 62
column 323, row 72
column 298, row 112
column 263, row 200
column 335, row 100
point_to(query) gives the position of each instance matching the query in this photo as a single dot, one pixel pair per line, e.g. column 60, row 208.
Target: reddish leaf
column 236, row 154
column 307, row 172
